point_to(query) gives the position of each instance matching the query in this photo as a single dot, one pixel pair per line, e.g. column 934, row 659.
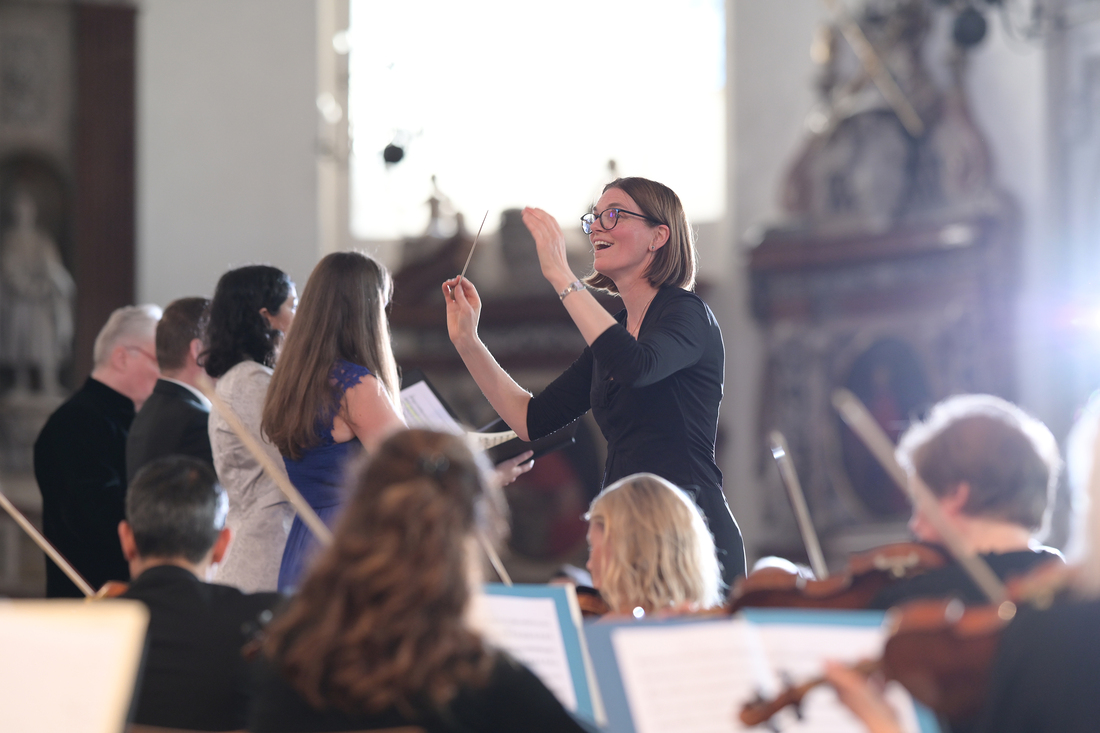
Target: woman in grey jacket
column 253, row 307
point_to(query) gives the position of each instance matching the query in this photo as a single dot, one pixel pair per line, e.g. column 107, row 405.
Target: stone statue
column 36, row 294
column 860, row 169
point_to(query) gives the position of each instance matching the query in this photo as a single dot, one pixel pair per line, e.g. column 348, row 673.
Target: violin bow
column 782, row 455
column 494, row 558
column 863, row 424
column 47, row 547
column 305, row 511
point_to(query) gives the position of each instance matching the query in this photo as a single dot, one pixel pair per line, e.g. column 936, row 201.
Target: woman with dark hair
column 652, row 374
column 378, row 636
column 335, row 389
column 252, row 309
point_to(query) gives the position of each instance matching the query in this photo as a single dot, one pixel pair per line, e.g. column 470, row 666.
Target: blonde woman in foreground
column 650, row 549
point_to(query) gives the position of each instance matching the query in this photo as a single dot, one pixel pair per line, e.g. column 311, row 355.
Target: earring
column 651, row 248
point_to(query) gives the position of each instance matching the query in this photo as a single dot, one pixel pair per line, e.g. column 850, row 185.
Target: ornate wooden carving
column 903, row 319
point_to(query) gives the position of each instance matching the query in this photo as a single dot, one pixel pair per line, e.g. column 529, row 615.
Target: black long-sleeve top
column 80, row 465
column 656, row 398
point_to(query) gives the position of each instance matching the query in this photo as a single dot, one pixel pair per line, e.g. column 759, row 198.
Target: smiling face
column 624, row 253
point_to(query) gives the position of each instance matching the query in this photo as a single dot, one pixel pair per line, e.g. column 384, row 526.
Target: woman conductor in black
column 652, row 374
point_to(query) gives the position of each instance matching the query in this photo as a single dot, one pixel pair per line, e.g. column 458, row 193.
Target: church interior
column 894, row 198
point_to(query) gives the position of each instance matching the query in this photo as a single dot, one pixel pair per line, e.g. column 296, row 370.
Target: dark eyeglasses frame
column 591, row 218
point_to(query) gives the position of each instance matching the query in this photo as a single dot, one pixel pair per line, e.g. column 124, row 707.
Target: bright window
column 511, row 104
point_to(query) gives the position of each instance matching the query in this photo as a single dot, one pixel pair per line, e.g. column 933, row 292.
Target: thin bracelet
column 573, row 287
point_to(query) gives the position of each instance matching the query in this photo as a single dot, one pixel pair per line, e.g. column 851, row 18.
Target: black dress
column 513, row 700
column 656, row 401
column 80, row 465
column 194, row 676
column 173, row 421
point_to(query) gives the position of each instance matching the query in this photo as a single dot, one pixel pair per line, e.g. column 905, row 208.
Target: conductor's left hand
column 513, row 468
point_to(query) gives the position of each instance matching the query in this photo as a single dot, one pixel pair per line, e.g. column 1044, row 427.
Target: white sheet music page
column 529, row 630
column 695, row 677
column 795, row 653
column 686, row 678
column 424, row 410
column 69, row 665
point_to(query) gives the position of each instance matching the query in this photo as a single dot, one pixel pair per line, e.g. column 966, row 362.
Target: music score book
column 69, row 665
column 693, row 676
column 540, row 625
column 425, row 408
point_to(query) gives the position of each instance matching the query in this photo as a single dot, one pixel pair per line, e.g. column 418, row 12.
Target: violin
column 591, row 602
column 867, row 573
column 941, row 651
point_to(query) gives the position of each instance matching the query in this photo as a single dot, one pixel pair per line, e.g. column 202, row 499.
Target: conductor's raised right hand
column 463, row 310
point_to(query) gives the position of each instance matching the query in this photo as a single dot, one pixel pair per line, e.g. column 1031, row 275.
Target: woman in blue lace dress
column 334, row 391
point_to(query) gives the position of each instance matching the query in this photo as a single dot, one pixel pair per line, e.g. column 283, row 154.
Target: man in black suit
column 194, row 676
column 173, row 419
column 80, row 455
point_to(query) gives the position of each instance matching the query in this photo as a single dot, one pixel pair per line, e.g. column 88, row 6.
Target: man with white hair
column 80, row 455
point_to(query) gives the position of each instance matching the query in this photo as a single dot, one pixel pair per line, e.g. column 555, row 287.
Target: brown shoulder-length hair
column 380, row 619
column 1009, row 459
column 673, row 264
column 341, row 315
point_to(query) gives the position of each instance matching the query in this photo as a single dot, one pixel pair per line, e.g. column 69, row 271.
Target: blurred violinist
column 651, row 549
column 993, row 469
column 1045, row 674
column 378, row 635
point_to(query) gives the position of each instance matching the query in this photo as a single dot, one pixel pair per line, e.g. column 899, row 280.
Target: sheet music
column 529, row 629
column 489, row 440
column 683, row 678
column 694, row 678
column 69, row 665
column 797, row 651
column 424, row 410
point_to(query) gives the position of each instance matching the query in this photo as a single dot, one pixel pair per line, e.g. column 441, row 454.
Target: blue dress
column 319, row 476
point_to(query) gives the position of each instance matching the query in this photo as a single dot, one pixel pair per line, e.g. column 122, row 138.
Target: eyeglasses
column 143, row 352
column 608, row 218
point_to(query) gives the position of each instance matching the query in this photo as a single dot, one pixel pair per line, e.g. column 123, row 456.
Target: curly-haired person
column 377, row 635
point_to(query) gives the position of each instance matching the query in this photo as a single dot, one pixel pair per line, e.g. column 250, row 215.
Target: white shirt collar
column 200, row 395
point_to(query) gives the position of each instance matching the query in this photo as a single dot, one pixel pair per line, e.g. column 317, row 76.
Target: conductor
column 652, row 374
